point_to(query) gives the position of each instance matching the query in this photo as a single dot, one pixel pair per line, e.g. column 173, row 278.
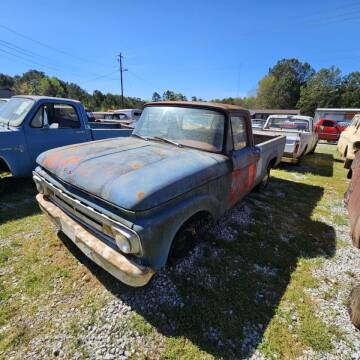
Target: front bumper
column 103, row 255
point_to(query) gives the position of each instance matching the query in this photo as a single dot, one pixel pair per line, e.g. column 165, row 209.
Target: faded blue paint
column 20, row 146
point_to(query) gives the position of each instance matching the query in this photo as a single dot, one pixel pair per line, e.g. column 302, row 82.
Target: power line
column 50, row 46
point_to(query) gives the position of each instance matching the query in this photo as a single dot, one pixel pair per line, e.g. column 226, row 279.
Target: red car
column 329, row 130
column 352, row 200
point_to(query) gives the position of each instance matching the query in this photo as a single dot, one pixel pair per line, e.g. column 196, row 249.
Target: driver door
column 54, row 125
column 244, row 158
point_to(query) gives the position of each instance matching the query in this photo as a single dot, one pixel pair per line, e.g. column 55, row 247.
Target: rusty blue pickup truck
column 132, row 204
column 29, row 125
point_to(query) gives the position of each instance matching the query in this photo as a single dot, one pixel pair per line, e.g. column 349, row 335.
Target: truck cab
column 30, row 125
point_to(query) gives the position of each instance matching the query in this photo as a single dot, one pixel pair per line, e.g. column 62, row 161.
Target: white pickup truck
column 301, row 138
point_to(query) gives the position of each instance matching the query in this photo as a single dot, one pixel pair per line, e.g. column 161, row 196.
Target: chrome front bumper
column 106, row 257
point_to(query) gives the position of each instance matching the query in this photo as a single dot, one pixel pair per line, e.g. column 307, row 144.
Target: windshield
column 288, row 124
column 14, row 111
column 198, row 128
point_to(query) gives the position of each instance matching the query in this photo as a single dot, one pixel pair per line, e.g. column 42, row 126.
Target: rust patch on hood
column 140, row 195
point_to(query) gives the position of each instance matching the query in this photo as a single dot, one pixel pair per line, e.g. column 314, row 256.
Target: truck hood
column 132, row 173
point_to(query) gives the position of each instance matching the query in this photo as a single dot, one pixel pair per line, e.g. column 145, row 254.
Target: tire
column 347, row 163
column 313, row 149
column 264, row 181
column 186, row 239
column 301, row 157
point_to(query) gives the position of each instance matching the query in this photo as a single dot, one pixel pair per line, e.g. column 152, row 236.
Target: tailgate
column 271, row 150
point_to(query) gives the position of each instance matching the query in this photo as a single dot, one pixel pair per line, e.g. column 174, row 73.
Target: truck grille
column 85, row 214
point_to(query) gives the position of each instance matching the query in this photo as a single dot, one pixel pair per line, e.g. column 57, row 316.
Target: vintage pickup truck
column 185, row 162
column 30, row 125
column 301, row 137
column 352, row 200
column 349, row 141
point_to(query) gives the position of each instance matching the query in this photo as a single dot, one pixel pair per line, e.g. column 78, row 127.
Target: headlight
column 38, row 183
column 127, row 241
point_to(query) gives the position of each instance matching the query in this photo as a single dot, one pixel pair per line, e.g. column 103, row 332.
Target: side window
column 38, row 119
column 56, row 116
column 65, row 116
column 328, row 123
column 239, row 132
column 355, row 121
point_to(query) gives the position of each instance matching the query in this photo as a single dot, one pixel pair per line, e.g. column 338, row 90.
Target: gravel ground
column 110, row 333
column 337, row 276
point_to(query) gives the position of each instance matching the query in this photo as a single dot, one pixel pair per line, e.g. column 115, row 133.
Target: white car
column 301, row 138
column 3, row 102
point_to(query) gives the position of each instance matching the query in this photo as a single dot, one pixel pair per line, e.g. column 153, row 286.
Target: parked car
column 301, row 137
column 3, row 102
column 349, row 141
column 257, row 123
column 352, row 200
column 184, row 163
column 330, row 130
column 124, row 116
column 30, row 125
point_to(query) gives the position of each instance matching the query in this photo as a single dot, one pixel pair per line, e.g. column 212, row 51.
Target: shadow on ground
column 17, row 198
column 318, row 164
column 224, row 295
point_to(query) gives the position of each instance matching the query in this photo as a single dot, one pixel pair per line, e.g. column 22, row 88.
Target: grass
column 291, row 234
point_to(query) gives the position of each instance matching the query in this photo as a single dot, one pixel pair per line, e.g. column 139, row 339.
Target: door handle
column 80, row 132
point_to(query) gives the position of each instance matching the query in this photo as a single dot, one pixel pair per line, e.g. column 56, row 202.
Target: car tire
column 313, row 149
column 347, row 163
column 264, row 181
column 186, row 239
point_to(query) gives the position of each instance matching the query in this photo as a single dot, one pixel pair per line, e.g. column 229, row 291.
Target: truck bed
column 103, row 130
column 271, row 147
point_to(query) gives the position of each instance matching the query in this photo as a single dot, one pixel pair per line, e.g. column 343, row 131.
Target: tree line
column 35, row 82
column 289, row 84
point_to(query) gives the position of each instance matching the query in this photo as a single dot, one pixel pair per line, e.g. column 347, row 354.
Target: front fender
column 17, row 161
column 158, row 231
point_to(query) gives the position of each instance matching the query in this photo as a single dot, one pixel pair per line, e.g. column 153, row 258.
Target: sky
column 209, row 49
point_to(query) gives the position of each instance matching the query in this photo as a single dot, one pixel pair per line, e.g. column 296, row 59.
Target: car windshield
column 14, row 111
column 288, row 124
column 198, row 128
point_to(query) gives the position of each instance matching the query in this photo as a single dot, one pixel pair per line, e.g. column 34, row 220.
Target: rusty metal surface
column 201, row 104
column 110, row 260
column 134, row 174
column 352, row 199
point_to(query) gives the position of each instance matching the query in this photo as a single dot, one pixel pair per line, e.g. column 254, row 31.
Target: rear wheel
column 265, row 180
column 313, row 149
column 347, row 163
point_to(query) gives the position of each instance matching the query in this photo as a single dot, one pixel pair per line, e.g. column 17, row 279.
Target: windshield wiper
column 166, row 140
column 140, row 137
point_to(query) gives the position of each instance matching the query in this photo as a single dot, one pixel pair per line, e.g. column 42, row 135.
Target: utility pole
column 120, row 57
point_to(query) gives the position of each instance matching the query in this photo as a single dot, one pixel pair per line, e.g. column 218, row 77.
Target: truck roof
column 39, row 97
column 212, row 105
